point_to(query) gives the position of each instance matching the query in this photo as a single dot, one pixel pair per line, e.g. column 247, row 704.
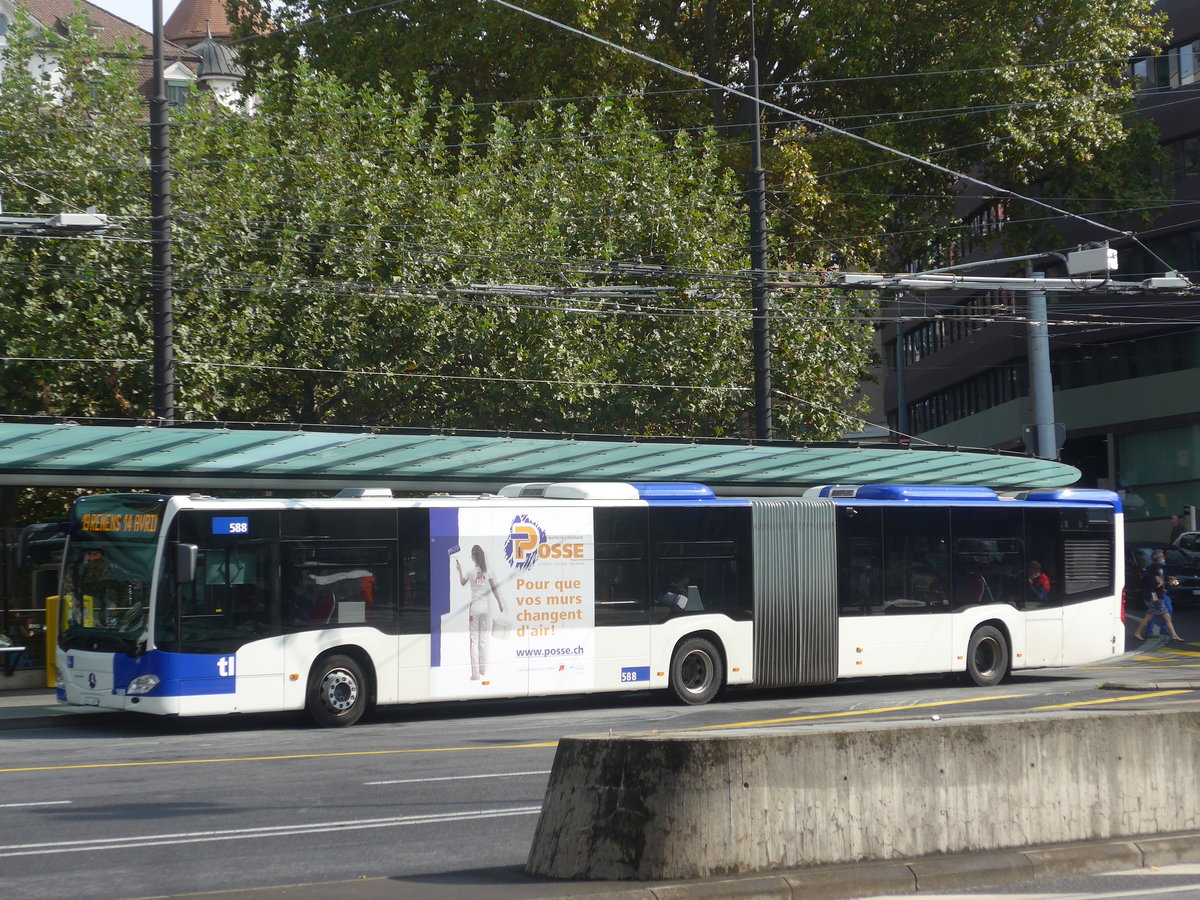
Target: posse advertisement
column 513, row 601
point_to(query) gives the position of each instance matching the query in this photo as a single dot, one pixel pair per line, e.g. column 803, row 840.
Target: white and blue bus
column 190, row 605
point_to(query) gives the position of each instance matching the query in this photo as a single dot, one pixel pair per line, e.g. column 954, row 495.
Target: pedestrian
column 1154, row 590
column 1177, row 528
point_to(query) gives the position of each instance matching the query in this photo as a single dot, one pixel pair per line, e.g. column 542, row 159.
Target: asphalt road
column 443, row 797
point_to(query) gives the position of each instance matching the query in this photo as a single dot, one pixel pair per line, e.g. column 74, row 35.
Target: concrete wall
column 691, row 805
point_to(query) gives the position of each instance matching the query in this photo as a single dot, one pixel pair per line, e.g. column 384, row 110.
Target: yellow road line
column 1162, row 664
column 197, row 762
column 857, row 712
column 1110, row 700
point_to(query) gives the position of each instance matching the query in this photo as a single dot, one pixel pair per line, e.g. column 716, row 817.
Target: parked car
column 1182, row 565
column 1189, row 540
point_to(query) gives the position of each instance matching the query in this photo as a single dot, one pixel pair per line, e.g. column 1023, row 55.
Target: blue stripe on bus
column 443, row 542
column 180, row 674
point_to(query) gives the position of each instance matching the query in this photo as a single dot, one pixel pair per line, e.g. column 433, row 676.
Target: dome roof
column 216, row 60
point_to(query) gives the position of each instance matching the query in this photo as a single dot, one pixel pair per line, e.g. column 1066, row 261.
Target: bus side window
column 700, row 561
column 916, row 561
column 325, row 585
column 621, row 595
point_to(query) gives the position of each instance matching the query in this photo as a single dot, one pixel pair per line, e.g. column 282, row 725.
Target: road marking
column 1171, row 651
column 238, row 834
column 1158, row 661
column 1109, row 700
column 856, row 712
column 36, row 803
column 229, row 759
column 456, row 778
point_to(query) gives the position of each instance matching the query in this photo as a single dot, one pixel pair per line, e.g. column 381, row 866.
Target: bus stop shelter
column 214, row 458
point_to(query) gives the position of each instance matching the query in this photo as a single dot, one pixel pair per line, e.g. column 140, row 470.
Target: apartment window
column 1178, row 67
column 177, row 93
column 1185, row 157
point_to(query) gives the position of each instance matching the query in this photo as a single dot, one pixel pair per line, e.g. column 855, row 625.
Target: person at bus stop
column 1154, row 587
column 483, row 588
column 1177, row 529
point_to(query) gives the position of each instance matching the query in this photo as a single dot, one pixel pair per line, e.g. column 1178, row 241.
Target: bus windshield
column 107, row 569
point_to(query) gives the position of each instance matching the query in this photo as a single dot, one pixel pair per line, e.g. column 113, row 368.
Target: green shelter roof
column 186, row 457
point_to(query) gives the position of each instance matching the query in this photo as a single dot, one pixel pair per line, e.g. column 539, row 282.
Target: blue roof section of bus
column 910, row 492
column 1077, row 495
column 677, row 492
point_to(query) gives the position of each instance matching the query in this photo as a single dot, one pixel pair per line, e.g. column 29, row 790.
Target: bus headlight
column 59, row 681
column 143, row 684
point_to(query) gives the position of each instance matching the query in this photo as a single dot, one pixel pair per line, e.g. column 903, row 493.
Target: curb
column 1180, row 684
column 11, row 720
column 837, row 882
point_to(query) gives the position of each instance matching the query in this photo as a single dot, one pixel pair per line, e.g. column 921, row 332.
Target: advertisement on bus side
column 513, row 601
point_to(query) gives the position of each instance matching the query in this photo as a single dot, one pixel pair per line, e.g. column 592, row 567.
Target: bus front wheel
column 987, row 656
column 337, row 692
column 697, row 671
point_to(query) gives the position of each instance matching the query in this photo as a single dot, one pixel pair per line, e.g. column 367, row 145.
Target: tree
column 1029, row 96
column 380, row 256
column 66, row 145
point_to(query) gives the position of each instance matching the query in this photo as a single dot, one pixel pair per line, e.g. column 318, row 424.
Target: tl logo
column 227, row 666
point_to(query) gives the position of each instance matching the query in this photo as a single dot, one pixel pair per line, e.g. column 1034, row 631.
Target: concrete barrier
column 701, row 804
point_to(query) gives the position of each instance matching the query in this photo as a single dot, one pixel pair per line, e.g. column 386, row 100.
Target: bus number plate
column 230, row 525
column 630, row 674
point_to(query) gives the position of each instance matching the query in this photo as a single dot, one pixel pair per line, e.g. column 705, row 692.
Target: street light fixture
column 58, row 224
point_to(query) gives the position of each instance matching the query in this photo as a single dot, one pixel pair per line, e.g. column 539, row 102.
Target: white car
column 1189, row 540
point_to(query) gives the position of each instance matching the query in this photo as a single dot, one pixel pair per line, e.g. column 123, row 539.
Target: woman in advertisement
column 482, row 584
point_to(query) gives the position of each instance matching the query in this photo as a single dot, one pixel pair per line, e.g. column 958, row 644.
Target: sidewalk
column 867, row 879
column 38, row 708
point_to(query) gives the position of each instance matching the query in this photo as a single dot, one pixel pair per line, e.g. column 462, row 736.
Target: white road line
column 456, row 778
column 36, row 803
column 236, row 834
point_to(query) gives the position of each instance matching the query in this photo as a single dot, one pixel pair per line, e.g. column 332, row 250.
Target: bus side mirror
column 185, row 563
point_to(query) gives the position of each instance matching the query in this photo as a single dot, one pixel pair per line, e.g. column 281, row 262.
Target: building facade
column 196, row 50
column 1125, row 368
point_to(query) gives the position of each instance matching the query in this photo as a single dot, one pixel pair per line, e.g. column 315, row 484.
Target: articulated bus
column 190, row 605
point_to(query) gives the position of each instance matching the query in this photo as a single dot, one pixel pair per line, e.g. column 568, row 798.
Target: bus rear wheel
column 337, row 692
column 987, row 656
column 697, row 671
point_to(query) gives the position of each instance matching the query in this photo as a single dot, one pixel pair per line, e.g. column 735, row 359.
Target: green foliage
column 371, row 255
column 64, row 146
column 1034, row 97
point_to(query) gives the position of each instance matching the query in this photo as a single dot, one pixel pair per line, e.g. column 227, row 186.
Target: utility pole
column 162, row 288
column 1082, row 266
column 757, row 190
column 1041, row 386
column 901, row 392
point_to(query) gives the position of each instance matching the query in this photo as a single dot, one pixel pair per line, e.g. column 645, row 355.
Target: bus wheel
column 697, row 673
column 987, row 656
column 337, row 692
